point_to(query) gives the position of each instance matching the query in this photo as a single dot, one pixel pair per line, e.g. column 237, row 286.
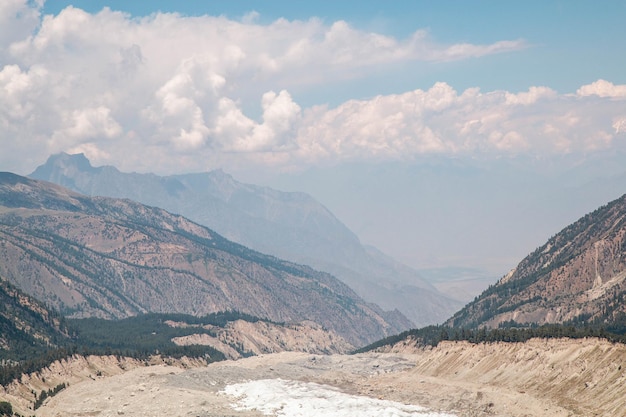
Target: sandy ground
column 172, row 391
column 540, row 378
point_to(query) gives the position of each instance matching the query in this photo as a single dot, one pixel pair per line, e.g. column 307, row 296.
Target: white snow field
column 278, row 397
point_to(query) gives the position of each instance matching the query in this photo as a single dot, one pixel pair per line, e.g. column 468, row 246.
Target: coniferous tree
column 6, row 409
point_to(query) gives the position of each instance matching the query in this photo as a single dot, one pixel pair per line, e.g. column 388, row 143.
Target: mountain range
column 289, row 225
column 115, row 258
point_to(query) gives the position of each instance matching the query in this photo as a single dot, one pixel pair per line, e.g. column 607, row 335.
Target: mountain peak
column 221, row 174
column 78, row 160
column 62, row 167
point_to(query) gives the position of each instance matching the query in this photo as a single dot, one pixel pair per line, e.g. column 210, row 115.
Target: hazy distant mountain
column 112, row 258
column 461, row 283
column 479, row 213
column 578, row 276
column 291, row 226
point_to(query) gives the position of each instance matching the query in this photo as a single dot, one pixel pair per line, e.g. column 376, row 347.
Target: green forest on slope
column 33, row 336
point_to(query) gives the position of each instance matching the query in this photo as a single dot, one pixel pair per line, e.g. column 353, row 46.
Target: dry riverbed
column 537, row 378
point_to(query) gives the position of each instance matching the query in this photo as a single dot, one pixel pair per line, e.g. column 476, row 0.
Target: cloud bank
column 168, row 93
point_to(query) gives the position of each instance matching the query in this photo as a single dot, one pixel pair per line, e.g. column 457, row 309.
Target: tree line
column 138, row 337
column 509, row 332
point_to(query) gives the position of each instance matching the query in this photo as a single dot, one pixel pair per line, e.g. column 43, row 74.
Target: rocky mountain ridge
column 578, row 277
column 116, row 258
column 288, row 225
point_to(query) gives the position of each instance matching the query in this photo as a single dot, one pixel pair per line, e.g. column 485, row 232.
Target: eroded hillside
column 583, row 377
column 578, row 276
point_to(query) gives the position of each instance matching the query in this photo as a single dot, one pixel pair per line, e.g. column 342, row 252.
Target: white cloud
column 602, row 88
column 442, row 121
column 530, row 97
column 280, row 113
column 21, row 91
column 620, row 125
column 238, row 133
column 18, row 19
column 167, row 88
column 461, row 51
column 90, row 123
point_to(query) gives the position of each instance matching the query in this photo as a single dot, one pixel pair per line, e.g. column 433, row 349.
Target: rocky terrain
column 115, row 258
column 262, row 337
column 578, row 277
column 556, row 377
column 288, row 225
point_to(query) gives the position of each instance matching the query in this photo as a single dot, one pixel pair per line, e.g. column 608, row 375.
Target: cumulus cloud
column 602, row 88
column 156, row 92
column 90, row 123
column 620, row 125
column 18, row 18
column 531, row 96
column 442, row 121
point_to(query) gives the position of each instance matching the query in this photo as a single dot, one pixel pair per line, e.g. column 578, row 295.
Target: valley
column 175, row 319
column 312, row 209
column 539, row 378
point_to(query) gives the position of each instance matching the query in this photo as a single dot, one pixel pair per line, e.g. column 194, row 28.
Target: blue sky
column 330, row 97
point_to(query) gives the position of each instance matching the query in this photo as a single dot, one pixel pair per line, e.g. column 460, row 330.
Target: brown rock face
column 577, row 276
column 115, row 258
column 263, row 337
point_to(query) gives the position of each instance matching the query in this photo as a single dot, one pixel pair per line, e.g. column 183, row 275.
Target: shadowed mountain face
column 291, row 226
column 112, row 258
column 578, row 276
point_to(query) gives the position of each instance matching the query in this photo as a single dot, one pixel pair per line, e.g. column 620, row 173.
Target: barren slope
column 585, row 377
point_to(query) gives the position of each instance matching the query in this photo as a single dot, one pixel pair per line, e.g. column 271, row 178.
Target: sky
column 379, row 109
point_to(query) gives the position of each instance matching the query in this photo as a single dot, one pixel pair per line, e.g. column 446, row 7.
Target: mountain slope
column 578, row 276
column 291, row 226
column 115, row 258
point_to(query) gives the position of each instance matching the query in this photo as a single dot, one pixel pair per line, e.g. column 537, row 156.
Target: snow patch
column 280, row 397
